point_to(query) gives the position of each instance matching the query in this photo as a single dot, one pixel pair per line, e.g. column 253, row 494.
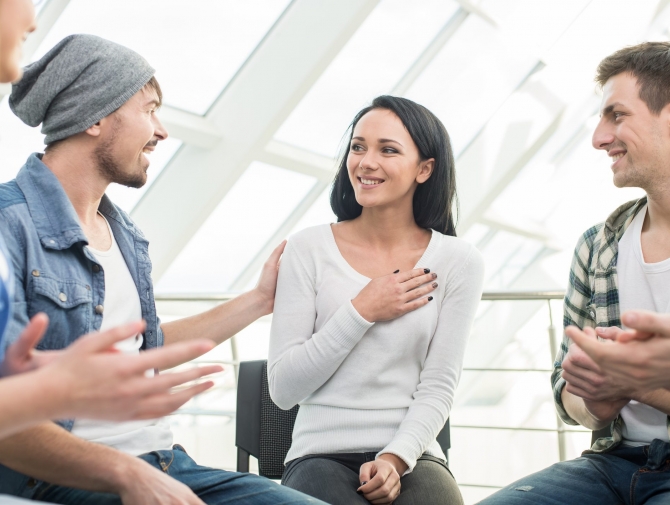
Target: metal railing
column 506, row 296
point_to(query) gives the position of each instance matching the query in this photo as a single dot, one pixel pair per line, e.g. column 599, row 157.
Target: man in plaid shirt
column 618, row 265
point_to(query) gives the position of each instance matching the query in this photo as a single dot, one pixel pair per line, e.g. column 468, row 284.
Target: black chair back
column 265, row 431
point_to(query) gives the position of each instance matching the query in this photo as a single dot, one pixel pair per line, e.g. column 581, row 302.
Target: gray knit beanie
column 77, row 83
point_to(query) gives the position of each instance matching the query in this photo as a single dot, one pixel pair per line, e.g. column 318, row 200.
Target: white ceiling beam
column 190, row 128
column 253, row 106
column 473, row 9
column 480, row 182
column 298, row 160
column 436, row 45
column 527, row 229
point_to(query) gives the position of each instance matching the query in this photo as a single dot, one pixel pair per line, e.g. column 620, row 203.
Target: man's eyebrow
column 608, row 110
column 153, row 102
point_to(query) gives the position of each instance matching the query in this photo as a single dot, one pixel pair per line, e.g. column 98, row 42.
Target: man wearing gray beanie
column 83, row 262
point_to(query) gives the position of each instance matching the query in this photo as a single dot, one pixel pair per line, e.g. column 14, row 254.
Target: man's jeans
column 211, row 485
column 625, row 475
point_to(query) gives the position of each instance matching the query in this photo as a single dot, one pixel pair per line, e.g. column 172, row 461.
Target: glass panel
column 127, row 198
column 519, row 339
column 506, row 255
column 258, row 203
column 374, row 59
column 482, row 64
column 505, row 399
column 319, row 213
column 214, row 39
column 499, row 457
column 476, row 233
column 459, row 87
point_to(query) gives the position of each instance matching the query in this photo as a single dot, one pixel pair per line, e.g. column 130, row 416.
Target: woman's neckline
column 344, row 264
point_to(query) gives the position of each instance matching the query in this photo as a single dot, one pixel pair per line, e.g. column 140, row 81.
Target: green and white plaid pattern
column 592, row 298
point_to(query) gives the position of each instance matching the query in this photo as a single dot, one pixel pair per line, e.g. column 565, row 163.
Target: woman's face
column 384, row 163
column 17, row 19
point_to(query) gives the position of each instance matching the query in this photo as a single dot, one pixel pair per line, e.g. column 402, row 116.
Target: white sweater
column 361, row 386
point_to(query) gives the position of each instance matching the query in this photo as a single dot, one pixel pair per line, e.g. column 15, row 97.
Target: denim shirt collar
column 55, row 219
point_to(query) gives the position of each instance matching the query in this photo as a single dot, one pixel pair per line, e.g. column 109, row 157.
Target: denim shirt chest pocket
column 67, row 301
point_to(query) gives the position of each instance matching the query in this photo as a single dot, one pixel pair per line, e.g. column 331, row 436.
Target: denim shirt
column 56, row 274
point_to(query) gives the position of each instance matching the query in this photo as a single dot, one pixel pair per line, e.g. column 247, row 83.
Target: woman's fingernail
column 430, row 298
column 396, row 271
column 434, row 276
column 434, row 284
column 364, row 483
column 631, row 317
column 426, row 270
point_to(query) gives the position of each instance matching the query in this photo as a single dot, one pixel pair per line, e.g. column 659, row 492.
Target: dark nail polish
column 396, row 271
column 434, row 284
column 430, row 298
column 426, row 270
column 434, row 276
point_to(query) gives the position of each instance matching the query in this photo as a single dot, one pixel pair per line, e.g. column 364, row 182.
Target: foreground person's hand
column 21, row 356
column 394, row 295
column 380, row 481
column 92, row 380
column 146, row 485
column 643, row 364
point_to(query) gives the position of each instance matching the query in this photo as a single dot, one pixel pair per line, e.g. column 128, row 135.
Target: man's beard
column 110, row 169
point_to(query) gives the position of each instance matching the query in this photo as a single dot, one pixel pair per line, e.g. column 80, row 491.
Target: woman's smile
column 369, row 182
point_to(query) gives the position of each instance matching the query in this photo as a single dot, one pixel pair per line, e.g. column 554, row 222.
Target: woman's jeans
column 625, row 475
column 211, row 485
column 334, row 479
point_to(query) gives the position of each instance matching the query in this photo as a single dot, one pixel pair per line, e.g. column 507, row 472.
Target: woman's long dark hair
column 435, row 198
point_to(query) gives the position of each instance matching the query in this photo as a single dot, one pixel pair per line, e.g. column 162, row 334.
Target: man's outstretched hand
column 21, row 356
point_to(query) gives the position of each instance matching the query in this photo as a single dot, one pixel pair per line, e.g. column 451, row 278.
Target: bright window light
column 373, row 61
column 259, row 202
column 196, row 47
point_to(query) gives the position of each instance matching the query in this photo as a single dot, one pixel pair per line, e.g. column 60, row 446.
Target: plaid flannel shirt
column 592, row 298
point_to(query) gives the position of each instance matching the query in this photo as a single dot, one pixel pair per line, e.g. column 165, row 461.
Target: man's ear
column 425, row 170
column 95, row 130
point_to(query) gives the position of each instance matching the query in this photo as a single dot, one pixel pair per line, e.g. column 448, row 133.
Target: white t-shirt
column 122, row 305
column 642, row 286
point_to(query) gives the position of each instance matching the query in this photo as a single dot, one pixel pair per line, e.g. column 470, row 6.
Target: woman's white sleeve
column 301, row 361
column 434, row 396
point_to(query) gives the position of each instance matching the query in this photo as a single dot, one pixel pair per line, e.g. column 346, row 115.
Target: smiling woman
column 374, row 357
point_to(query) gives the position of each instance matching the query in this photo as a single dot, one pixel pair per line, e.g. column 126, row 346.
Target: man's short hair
column 153, row 84
column 649, row 63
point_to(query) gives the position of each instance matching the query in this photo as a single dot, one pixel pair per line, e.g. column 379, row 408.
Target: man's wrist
column 125, row 471
column 261, row 302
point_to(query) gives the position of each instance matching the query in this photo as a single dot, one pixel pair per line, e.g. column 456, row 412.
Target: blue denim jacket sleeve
column 56, row 274
column 19, row 314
